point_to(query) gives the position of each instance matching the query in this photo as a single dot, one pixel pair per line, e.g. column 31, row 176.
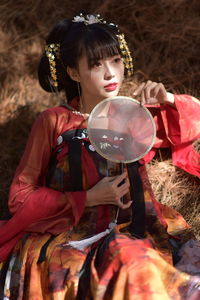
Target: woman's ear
column 73, row 74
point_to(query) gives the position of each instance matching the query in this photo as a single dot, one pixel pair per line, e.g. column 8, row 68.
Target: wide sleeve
column 178, row 127
column 182, row 127
column 49, row 210
column 182, row 122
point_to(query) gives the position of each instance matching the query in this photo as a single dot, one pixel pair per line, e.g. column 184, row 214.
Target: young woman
column 60, row 192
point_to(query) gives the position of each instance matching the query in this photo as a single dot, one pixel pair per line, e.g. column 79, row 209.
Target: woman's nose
column 109, row 73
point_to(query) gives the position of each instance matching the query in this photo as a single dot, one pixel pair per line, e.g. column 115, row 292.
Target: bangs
column 97, row 46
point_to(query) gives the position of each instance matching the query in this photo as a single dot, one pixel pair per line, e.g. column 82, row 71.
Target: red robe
column 36, row 208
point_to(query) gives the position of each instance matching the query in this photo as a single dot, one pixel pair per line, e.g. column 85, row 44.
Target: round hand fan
column 121, row 130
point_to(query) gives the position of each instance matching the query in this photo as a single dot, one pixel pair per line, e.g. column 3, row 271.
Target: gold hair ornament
column 52, row 52
column 126, row 55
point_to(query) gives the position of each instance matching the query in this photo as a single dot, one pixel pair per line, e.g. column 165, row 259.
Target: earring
column 80, row 98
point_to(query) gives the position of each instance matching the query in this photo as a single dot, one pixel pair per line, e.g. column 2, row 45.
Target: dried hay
column 176, row 188
column 164, row 38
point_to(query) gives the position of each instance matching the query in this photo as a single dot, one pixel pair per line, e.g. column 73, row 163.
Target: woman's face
column 102, row 80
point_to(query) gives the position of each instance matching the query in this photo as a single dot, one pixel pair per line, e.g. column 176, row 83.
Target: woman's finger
column 119, row 179
column 124, row 205
column 123, row 188
column 160, row 89
column 143, row 100
column 149, row 90
column 139, row 89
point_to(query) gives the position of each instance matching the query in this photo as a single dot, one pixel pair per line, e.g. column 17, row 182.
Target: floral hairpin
column 88, row 19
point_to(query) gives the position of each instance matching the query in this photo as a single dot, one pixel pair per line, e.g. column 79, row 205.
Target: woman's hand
column 109, row 190
column 153, row 93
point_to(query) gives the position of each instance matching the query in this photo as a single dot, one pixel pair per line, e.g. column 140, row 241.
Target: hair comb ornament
column 88, row 19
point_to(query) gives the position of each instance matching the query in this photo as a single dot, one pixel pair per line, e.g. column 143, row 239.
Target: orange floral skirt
column 119, row 267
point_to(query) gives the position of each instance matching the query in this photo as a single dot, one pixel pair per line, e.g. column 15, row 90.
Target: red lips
column 111, row 86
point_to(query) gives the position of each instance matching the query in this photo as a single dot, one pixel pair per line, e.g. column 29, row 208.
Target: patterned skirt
column 118, row 267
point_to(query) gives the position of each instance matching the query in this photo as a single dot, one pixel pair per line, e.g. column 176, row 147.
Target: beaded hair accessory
column 53, row 50
column 126, row 55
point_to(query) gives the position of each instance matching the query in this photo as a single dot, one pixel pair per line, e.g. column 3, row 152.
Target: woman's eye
column 117, row 59
column 96, row 64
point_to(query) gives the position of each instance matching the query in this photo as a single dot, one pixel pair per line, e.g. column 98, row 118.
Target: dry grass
column 164, row 38
column 176, row 188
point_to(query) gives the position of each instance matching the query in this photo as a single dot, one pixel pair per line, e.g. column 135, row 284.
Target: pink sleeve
column 51, row 210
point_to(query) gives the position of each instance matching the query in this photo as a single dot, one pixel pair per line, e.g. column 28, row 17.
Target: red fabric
column 35, row 207
column 177, row 128
column 40, row 209
column 93, row 177
column 185, row 157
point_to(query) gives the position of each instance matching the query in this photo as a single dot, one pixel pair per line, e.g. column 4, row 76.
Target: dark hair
column 96, row 41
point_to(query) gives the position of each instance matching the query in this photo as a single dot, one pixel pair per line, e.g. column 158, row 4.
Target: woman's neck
column 87, row 104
